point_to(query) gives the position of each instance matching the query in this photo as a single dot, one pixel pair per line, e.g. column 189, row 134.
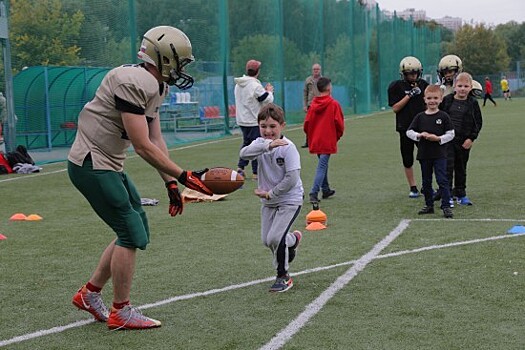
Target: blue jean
column 249, row 134
column 321, row 175
column 438, row 167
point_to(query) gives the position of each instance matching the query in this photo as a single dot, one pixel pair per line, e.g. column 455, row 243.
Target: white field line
column 315, row 306
column 234, row 138
column 80, row 323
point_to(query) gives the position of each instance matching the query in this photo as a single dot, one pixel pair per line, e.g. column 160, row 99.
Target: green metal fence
column 358, row 47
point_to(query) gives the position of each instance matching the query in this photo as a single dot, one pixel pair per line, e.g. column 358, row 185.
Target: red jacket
column 324, row 125
column 488, row 87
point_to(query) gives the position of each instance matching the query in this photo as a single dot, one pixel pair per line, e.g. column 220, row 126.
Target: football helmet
column 477, row 89
column 169, row 49
column 410, row 64
column 449, row 63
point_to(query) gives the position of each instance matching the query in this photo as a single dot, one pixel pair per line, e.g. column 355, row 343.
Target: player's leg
column 281, row 239
column 242, row 163
column 406, row 147
column 320, row 173
column 325, row 185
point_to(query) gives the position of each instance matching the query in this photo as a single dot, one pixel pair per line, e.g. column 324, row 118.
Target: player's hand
column 414, row 92
column 277, row 142
column 261, row 194
column 176, row 202
column 192, row 180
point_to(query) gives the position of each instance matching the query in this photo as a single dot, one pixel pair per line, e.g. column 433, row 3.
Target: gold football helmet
column 169, row 49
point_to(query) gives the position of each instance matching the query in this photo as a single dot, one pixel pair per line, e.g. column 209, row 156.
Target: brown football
column 222, row 180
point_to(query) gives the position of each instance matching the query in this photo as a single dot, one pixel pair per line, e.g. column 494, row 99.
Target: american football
column 222, row 180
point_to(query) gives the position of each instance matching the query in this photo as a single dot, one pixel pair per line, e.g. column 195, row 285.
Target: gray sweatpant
column 275, row 233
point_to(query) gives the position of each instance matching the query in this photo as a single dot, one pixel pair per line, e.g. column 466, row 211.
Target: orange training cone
column 315, row 226
column 2, row 237
column 316, row 215
column 33, row 217
column 18, row 217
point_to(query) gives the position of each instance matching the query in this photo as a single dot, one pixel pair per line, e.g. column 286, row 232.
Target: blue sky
column 490, row 12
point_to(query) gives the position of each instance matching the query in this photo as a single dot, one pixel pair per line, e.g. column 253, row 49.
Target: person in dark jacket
column 467, row 120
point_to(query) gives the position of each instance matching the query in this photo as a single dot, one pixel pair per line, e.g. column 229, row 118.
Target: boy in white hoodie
column 250, row 96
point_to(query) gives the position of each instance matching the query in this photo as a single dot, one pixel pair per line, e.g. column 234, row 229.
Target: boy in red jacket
column 324, row 125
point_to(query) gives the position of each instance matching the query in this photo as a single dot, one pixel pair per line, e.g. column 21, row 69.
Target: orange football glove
column 176, row 202
column 192, row 180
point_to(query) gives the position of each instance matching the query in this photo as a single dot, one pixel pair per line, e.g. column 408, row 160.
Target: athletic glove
column 176, row 203
column 192, row 180
column 415, row 91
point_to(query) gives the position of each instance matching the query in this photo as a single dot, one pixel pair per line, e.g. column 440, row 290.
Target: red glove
column 176, row 203
column 192, row 180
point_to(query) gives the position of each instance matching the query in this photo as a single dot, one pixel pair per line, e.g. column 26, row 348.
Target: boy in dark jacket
column 466, row 117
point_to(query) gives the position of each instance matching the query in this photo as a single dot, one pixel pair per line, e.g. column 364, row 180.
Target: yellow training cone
column 18, row 217
column 33, row 217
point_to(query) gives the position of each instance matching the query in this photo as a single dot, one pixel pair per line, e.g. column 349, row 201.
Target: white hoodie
column 248, row 92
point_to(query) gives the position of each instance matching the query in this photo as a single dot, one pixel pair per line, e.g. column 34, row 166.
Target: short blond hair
column 466, row 76
column 434, row 89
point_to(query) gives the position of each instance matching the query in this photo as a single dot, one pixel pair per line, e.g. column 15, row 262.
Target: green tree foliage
column 262, row 47
column 43, row 34
column 514, row 36
column 482, row 51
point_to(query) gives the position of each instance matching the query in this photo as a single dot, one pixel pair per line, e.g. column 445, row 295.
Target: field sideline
column 379, row 277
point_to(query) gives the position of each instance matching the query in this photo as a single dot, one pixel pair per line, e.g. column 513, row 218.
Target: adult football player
column 124, row 113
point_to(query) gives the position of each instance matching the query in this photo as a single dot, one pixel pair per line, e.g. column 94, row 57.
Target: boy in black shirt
column 433, row 129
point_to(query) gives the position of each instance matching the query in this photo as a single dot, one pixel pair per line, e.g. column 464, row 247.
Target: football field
column 379, row 277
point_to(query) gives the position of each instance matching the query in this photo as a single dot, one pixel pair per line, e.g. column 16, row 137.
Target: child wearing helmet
column 448, row 69
column 406, row 99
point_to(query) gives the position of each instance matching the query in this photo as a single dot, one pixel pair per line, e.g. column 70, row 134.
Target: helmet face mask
column 477, row 89
column 168, row 49
column 410, row 66
column 449, row 64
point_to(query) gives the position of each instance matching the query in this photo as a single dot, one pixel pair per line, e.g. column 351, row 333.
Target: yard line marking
column 60, row 329
column 314, row 307
column 467, row 220
column 233, row 138
column 33, row 175
column 130, row 157
column 41, row 333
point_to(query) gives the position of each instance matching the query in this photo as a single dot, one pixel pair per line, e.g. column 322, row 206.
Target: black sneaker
column 328, row 194
column 447, row 213
column 426, row 210
column 282, row 284
column 313, row 198
column 304, row 146
column 293, row 250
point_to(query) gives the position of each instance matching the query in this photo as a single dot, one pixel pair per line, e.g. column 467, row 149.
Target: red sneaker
column 130, row 317
column 91, row 302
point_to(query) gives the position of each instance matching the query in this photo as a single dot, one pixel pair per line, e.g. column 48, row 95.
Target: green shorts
column 115, row 199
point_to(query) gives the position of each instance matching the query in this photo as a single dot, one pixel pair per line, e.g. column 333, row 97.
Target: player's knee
column 136, row 242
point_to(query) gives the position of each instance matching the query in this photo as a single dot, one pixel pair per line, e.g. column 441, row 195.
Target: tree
column 482, row 51
column 264, row 48
column 43, row 34
column 514, row 36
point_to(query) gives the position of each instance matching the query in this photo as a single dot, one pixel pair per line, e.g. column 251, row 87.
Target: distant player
column 406, row 99
column 505, row 88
